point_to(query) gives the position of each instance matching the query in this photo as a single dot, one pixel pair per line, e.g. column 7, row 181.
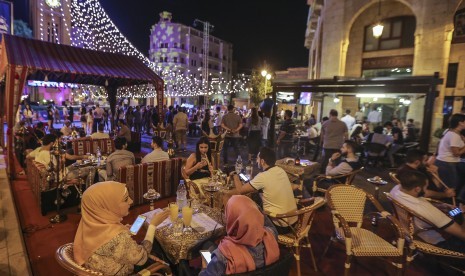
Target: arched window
column 398, row 33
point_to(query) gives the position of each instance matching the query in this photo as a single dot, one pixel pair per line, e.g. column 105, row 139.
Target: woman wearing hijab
column 102, row 243
column 250, row 242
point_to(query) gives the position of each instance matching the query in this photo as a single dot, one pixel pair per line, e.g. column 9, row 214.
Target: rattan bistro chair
column 65, row 258
column 337, row 179
column 299, row 236
column 347, row 204
column 407, row 217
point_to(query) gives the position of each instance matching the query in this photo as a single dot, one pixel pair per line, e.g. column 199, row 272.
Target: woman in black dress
column 50, row 117
column 198, row 164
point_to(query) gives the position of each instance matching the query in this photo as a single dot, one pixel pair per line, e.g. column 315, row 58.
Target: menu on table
column 203, row 223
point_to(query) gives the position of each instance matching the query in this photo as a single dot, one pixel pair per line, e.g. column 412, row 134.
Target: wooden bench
column 81, row 146
column 163, row 176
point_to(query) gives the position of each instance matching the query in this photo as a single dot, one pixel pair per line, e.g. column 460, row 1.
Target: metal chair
column 407, row 218
column 300, row 231
column 337, row 179
column 65, row 258
column 347, row 204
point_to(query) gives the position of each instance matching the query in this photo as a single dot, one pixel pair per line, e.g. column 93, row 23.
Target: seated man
column 100, row 134
column 410, row 193
column 120, row 158
column 157, row 154
column 417, row 161
column 340, row 163
column 277, row 193
column 378, row 137
column 43, row 156
column 124, row 131
column 66, row 129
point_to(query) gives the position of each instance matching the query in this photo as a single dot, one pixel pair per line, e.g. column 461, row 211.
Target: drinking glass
column 187, row 218
column 177, row 227
column 174, row 210
column 248, row 171
column 195, row 204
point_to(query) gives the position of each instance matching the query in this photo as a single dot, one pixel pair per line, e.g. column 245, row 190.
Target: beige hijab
column 103, row 207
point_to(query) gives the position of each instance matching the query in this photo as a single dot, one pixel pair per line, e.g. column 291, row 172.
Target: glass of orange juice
column 174, row 210
column 187, row 218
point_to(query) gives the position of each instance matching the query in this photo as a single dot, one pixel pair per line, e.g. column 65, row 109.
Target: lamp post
column 267, row 77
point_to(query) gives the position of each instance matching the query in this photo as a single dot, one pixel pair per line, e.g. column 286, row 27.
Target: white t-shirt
column 425, row 209
column 277, row 197
column 312, row 132
column 349, row 121
column 156, row 156
column 43, row 157
column 450, row 139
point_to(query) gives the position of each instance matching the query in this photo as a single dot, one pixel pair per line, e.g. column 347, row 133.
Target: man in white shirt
column 410, row 193
column 180, row 123
column 218, row 119
column 348, row 120
column 100, row 134
column 374, row 117
column 98, row 116
column 157, row 154
column 277, row 194
column 66, row 129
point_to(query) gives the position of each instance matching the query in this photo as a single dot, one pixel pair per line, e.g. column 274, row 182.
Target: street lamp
column 378, row 28
column 267, row 77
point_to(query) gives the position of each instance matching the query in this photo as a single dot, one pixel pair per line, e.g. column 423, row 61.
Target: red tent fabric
column 22, row 58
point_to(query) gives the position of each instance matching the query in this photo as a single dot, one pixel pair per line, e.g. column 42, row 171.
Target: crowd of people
column 336, row 140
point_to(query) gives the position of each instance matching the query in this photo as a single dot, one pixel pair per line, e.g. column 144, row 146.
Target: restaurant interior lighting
column 336, row 100
column 370, row 95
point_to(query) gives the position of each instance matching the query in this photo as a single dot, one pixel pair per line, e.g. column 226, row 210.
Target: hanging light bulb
column 378, row 30
column 378, row 27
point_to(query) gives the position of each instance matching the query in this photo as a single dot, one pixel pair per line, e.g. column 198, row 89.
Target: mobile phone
column 455, row 212
column 206, row 255
column 137, row 224
column 243, row 177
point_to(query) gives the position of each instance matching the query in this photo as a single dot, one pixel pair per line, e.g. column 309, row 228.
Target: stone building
column 420, row 37
column 174, row 45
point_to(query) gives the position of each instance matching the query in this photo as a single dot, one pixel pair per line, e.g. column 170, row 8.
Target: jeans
column 448, row 172
column 392, row 150
column 285, row 149
column 228, row 142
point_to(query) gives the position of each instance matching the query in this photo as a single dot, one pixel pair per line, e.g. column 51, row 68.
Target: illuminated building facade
column 179, row 48
column 419, row 38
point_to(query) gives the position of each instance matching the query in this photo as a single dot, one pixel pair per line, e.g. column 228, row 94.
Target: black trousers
column 230, row 142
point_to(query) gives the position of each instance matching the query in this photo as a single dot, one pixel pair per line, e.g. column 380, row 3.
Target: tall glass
column 174, row 210
column 248, row 171
column 187, row 218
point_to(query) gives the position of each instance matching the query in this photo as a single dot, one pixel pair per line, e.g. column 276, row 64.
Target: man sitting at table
column 120, row 158
column 277, row 193
column 66, row 129
column 417, row 161
column 43, row 156
column 100, row 134
column 157, row 154
column 124, row 131
column 340, row 163
column 410, row 193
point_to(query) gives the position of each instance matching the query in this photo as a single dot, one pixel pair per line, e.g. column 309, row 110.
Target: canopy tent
column 414, row 84
column 22, row 59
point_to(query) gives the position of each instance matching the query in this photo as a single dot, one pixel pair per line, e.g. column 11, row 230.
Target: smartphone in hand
column 137, row 224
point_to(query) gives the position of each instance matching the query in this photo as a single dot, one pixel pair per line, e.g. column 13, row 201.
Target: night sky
column 259, row 30
column 271, row 31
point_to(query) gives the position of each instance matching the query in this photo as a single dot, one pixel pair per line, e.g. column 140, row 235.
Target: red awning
column 65, row 63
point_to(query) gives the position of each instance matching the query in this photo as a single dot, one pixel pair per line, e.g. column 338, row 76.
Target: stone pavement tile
column 18, row 265
column 14, row 241
column 2, row 235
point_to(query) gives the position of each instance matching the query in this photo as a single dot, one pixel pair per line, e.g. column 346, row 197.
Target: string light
column 91, row 28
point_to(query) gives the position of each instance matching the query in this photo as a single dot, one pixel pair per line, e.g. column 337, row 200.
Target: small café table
column 186, row 246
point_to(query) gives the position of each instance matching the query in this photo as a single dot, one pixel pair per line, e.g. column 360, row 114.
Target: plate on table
column 377, row 181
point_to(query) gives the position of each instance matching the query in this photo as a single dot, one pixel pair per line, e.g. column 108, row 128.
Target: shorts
column 181, row 135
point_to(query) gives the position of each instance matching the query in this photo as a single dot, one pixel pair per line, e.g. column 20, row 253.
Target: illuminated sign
column 36, row 83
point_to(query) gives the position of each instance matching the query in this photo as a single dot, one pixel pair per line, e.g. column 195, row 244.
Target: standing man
column 359, row 116
column 218, row 120
column 374, row 117
column 137, row 119
column 348, row 120
column 98, row 117
column 65, row 113
column 232, row 124
column 285, row 139
column 180, row 124
column 333, row 134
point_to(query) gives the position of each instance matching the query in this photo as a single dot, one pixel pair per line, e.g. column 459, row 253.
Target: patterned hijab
column 103, row 206
column 245, row 228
